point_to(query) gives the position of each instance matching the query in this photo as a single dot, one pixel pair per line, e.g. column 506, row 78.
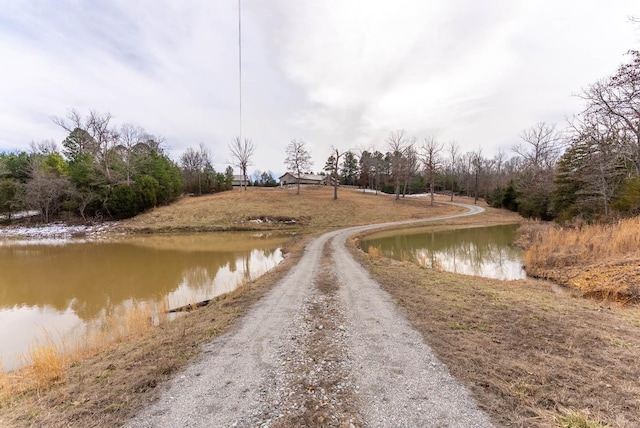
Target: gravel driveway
column 326, row 347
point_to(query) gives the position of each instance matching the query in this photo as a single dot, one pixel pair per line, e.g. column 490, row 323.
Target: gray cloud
column 341, row 73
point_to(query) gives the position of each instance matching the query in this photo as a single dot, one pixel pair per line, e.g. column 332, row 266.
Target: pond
column 56, row 288
column 478, row 251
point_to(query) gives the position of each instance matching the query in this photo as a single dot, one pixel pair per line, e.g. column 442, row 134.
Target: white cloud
column 341, row 73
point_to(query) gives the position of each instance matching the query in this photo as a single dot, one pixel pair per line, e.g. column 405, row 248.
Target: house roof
column 305, row 176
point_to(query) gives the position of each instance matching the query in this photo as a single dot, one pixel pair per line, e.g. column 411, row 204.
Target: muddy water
column 482, row 251
column 57, row 288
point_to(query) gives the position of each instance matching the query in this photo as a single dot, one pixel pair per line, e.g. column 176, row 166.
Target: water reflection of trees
column 204, row 283
column 91, row 276
column 485, row 251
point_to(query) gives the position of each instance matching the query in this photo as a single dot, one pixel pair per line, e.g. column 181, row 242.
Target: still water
column 480, row 251
column 56, row 288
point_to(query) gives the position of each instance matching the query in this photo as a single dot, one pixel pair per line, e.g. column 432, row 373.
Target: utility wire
column 240, row 63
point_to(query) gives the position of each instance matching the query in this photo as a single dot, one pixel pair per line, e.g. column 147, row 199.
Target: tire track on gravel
column 400, row 381
column 244, row 378
column 237, row 379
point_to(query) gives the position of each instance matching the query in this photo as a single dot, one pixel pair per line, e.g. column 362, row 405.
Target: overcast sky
column 330, row 72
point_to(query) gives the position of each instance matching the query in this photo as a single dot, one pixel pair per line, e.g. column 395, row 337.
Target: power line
column 240, row 63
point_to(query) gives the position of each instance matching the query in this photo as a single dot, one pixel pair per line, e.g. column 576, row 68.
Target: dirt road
column 326, row 347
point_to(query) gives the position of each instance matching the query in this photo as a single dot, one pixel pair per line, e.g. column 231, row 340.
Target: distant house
column 289, row 178
column 238, row 180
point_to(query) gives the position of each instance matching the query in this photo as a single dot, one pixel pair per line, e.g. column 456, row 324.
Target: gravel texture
column 326, row 347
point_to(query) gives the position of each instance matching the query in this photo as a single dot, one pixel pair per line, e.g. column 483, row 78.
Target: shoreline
column 522, row 324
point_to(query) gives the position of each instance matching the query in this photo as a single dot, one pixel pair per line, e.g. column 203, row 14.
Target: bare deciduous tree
column 540, row 146
column 241, row 152
column 453, row 149
column 397, row 142
column 44, row 192
column 465, row 168
column 195, row 164
column 498, row 162
column 599, row 145
column 44, row 147
column 73, row 121
column 539, row 151
column 431, row 160
column 618, row 97
column 335, row 155
column 129, row 138
column 98, row 126
column 477, row 162
column 298, row 160
column 410, row 165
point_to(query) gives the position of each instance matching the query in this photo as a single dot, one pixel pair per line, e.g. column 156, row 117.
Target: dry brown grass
column 532, row 357
column 131, row 322
column 374, row 252
column 47, row 361
column 602, row 261
column 314, row 210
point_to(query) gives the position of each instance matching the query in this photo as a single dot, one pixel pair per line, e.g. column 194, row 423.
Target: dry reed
column 422, row 260
column 585, row 244
column 374, row 252
column 47, row 364
column 46, row 361
column 426, row 262
column 134, row 320
column 601, row 260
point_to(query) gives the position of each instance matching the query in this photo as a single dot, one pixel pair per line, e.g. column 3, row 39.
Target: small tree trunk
column 475, row 200
column 452, row 189
column 431, row 190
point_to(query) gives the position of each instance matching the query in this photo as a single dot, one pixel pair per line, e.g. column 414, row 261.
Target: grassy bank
column 314, row 210
column 601, row 261
column 531, row 356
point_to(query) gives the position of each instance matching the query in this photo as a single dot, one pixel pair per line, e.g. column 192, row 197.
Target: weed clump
column 374, row 252
column 577, row 420
column 47, row 363
column 601, row 261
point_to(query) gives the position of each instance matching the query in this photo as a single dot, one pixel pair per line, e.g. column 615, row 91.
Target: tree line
column 107, row 172
column 201, row 178
column 101, row 172
column 590, row 170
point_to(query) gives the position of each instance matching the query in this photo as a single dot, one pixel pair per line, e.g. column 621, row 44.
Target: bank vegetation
column 532, row 356
column 601, row 260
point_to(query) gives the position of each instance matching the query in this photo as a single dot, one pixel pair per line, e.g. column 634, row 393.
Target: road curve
column 248, row 377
